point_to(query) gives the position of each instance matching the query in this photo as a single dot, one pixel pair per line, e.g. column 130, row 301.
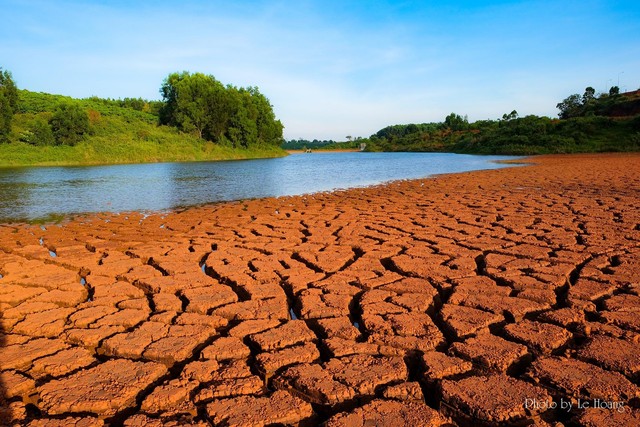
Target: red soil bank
column 503, row 297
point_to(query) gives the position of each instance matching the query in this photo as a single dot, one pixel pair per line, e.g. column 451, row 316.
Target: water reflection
column 15, row 191
column 33, row 193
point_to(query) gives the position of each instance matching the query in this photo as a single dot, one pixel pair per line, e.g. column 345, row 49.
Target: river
column 45, row 193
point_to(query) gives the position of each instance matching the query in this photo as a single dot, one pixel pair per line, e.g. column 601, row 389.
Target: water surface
column 33, row 193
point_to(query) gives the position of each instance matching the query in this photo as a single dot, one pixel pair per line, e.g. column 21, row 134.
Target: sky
column 332, row 68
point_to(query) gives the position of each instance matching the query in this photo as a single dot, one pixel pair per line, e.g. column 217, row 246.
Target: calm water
column 42, row 192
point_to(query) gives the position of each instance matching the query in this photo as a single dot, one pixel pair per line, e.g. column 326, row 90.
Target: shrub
column 69, row 123
column 41, row 133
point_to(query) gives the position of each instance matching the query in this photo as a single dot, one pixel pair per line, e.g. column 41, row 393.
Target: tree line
column 589, row 122
column 196, row 103
column 611, row 104
column 301, row 144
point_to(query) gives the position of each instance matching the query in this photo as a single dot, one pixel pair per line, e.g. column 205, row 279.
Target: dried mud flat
column 487, row 298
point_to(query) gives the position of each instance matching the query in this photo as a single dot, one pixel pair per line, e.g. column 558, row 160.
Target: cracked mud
column 487, row 298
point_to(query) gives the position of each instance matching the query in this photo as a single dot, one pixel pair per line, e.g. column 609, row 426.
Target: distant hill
column 588, row 123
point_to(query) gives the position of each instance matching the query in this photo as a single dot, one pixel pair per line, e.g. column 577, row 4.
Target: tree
column 511, row 116
column 571, row 106
column 39, row 133
column 42, row 133
column 69, row 123
column 9, row 89
column 200, row 104
column 243, row 129
column 8, row 103
column 614, row 90
column 6, row 114
column 589, row 95
column 456, row 122
column 269, row 129
column 195, row 103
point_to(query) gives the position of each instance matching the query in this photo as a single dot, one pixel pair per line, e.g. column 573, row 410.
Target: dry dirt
column 506, row 297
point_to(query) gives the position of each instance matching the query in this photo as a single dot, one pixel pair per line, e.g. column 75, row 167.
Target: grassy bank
column 110, row 152
column 116, row 135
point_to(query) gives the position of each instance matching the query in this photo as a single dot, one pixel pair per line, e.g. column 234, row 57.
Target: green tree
column 571, row 106
column 9, row 89
column 511, row 116
column 194, row 103
column 200, row 104
column 8, row 103
column 614, row 90
column 269, row 129
column 6, row 114
column 589, row 95
column 41, row 133
column 69, row 123
column 456, row 122
column 243, row 128
column 169, row 93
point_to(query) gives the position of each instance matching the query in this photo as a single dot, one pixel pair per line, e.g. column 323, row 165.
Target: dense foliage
column 606, row 104
column 40, row 128
column 200, row 104
column 39, row 133
column 69, row 123
column 588, row 123
column 8, row 103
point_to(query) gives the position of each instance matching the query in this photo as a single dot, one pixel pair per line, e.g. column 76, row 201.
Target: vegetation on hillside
column 587, row 123
column 45, row 129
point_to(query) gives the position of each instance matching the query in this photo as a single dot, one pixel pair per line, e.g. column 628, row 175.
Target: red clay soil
column 503, row 297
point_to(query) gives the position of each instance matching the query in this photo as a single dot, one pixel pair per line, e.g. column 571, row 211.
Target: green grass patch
column 105, row 151
column 117, row 135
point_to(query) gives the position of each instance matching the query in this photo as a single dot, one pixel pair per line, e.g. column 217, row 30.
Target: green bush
column 41, row 133
column 69, row 123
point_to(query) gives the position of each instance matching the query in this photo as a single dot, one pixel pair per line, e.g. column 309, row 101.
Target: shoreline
column 514, row 283
column 57, row 217
column 84, row 154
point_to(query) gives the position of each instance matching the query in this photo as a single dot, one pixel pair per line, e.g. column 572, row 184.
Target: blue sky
column 332, row 68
